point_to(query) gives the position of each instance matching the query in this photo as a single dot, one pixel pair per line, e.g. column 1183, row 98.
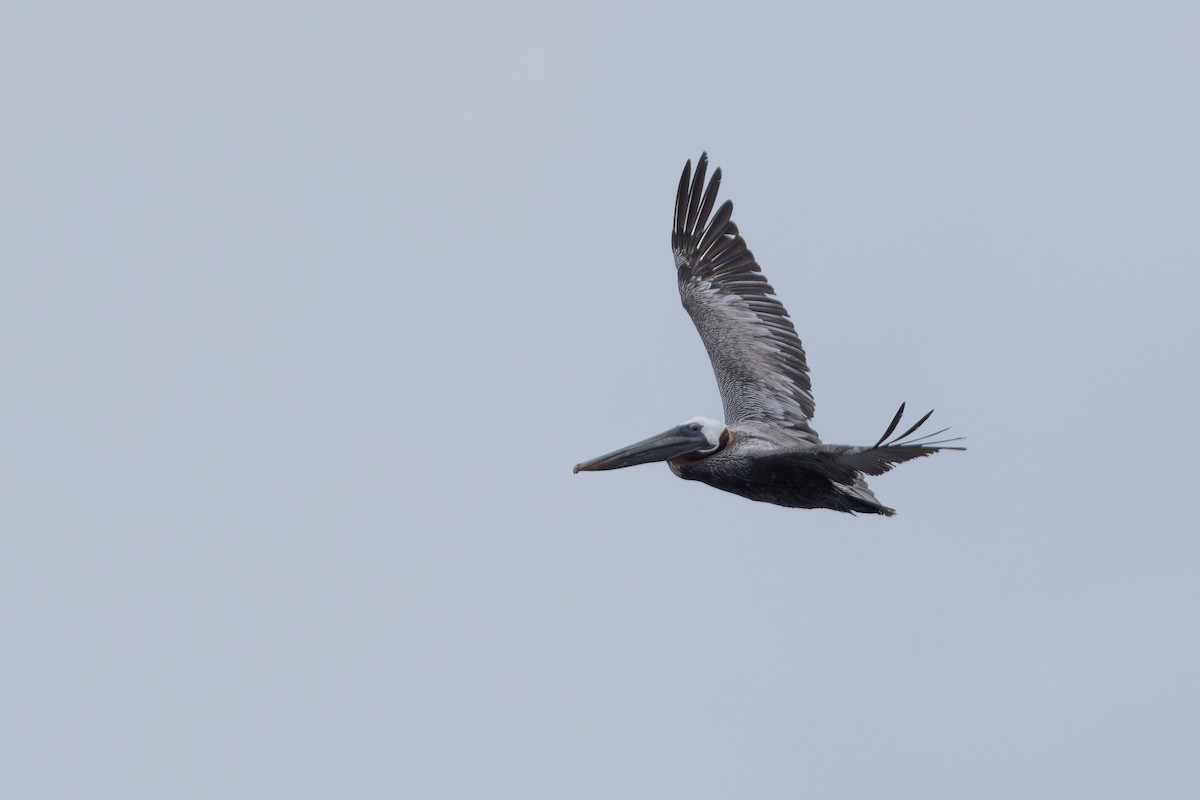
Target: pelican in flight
column 766, row 449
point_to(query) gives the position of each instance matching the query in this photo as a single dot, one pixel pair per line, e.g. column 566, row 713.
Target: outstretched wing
column 755, row 352
column 844, row 464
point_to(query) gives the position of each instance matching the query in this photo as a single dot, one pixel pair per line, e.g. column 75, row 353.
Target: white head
column 711, row 429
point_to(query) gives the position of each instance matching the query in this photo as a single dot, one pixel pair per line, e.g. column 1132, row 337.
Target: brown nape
column 726, row 439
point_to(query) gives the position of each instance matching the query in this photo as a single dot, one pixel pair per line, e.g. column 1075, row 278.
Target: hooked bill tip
column 575, row 470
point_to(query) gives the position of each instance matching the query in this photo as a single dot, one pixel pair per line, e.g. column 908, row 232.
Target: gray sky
column 308, row 311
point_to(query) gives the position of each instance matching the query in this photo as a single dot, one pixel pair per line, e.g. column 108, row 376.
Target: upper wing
column 755, row 352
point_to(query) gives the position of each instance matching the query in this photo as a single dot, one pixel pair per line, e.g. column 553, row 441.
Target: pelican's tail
column 857, row 498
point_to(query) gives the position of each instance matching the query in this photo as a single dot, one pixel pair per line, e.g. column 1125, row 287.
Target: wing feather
column 845, row 464
column 756, row 354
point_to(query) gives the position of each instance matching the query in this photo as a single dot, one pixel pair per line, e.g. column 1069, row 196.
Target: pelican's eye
column 695, row 426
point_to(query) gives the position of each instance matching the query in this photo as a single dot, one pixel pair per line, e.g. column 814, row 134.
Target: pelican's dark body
column 796, row 476
column 767, row 449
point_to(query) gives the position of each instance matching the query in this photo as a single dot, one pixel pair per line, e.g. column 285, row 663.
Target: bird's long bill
column 668, row 444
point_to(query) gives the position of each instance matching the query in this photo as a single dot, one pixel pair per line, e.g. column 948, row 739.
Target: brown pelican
column 767, row 449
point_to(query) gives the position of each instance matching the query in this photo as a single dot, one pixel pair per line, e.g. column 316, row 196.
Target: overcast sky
column 307, row 311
